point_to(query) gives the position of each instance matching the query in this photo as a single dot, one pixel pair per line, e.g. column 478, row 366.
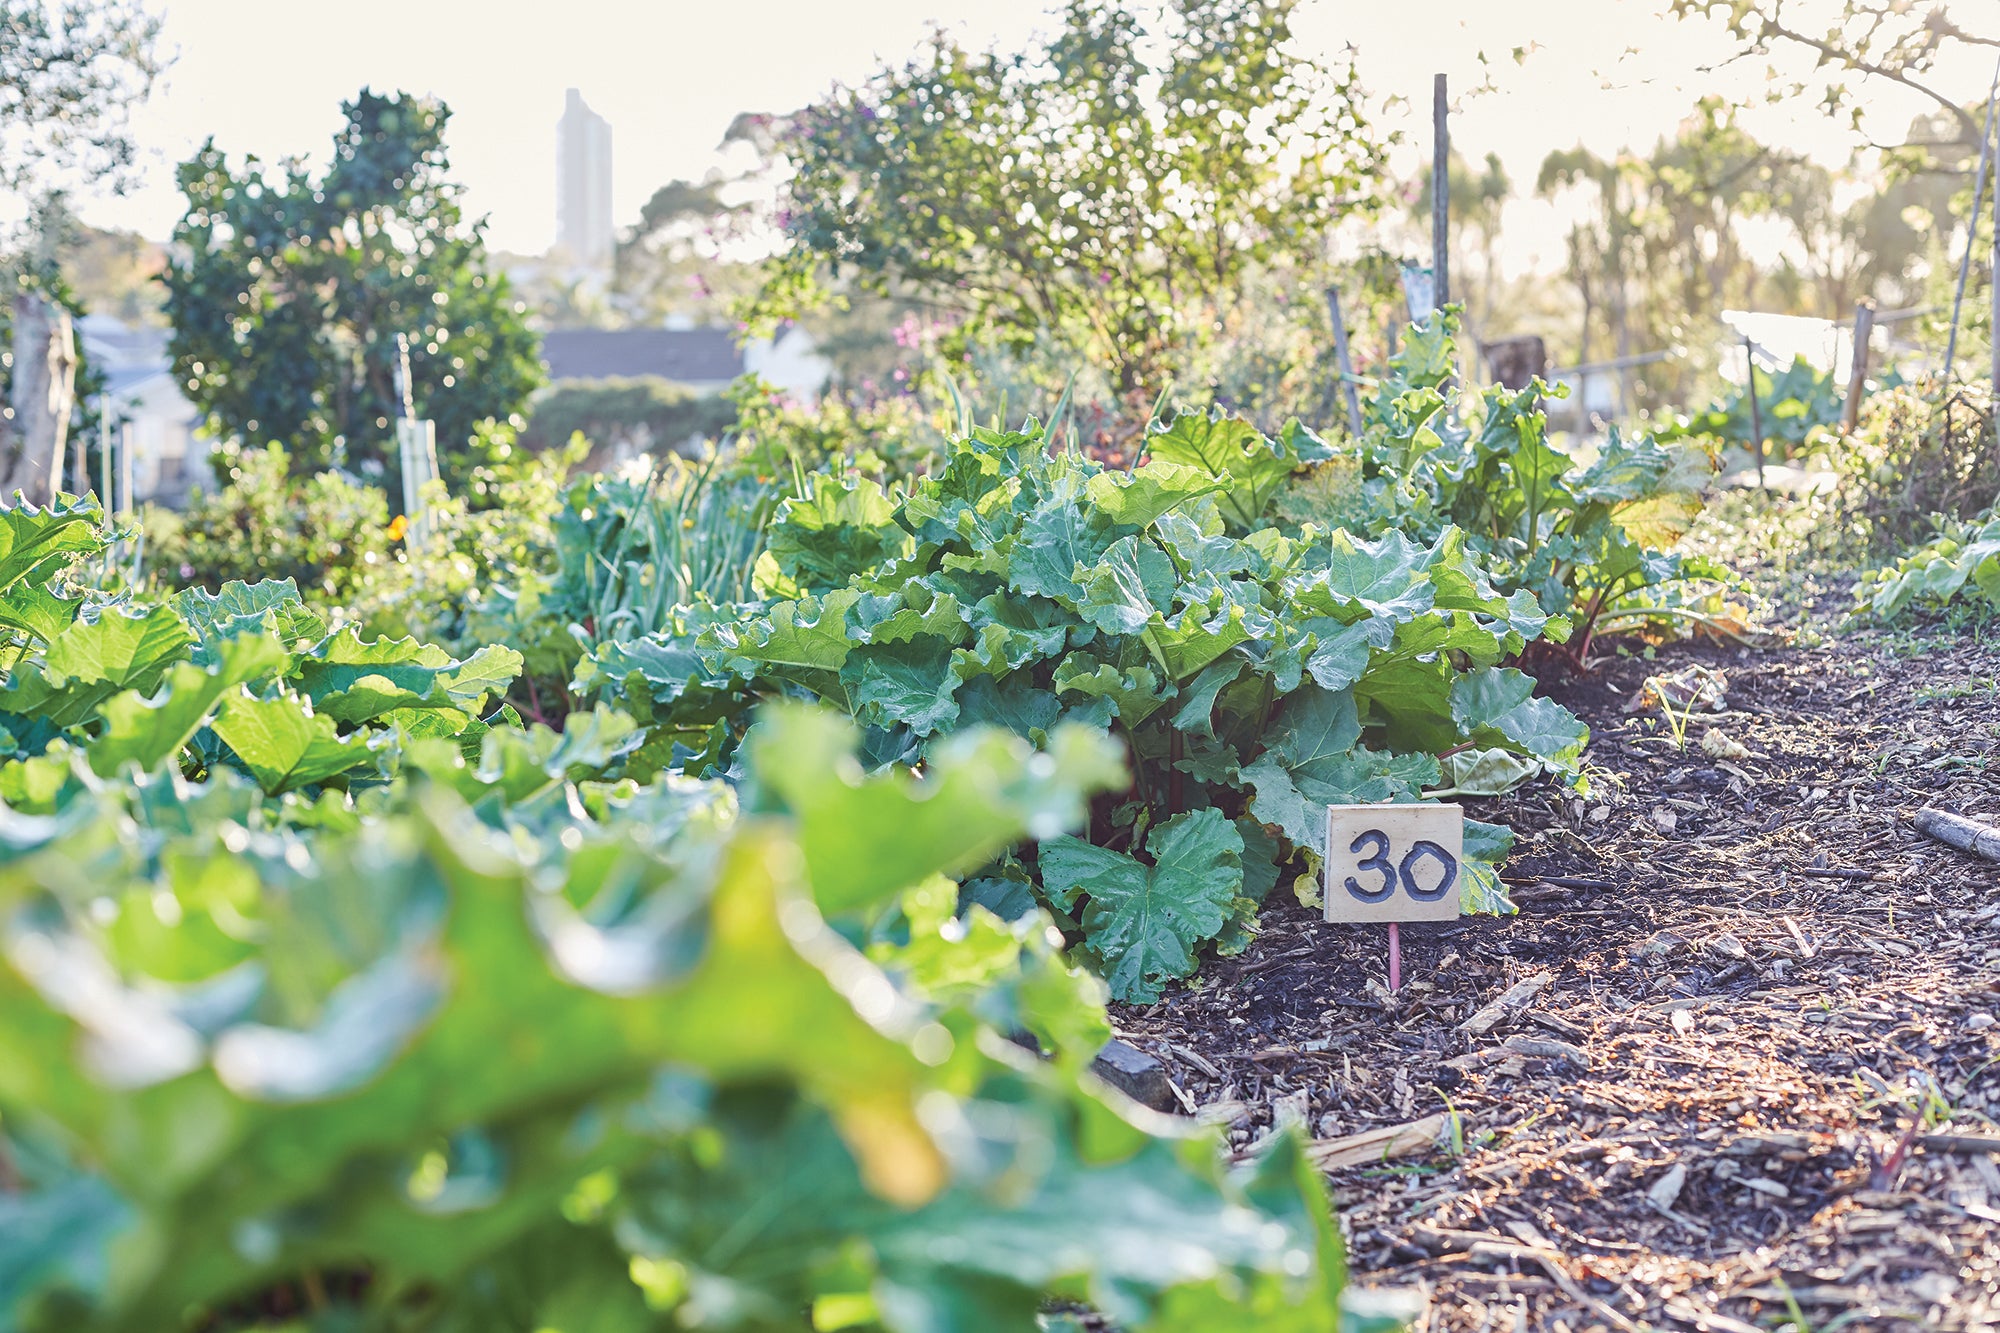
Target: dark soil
column 1785, row 1001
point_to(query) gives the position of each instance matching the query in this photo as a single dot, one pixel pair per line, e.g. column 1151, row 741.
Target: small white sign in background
column 1393, row 862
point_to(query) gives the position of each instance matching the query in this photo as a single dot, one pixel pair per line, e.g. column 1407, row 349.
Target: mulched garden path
column 1753, row 1085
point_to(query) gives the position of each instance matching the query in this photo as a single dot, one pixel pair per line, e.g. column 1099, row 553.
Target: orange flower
column 398, row 526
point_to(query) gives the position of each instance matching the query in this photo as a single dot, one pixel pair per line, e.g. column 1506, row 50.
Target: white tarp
column 1779, row 340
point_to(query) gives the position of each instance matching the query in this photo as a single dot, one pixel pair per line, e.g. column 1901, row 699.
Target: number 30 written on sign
column 1376, row 843
column 1393, row 862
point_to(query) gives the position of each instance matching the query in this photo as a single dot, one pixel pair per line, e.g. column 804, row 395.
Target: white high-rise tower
column 583, row 183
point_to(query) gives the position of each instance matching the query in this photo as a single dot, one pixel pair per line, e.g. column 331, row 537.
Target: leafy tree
column 670, row 261
column 287, row 292
column 1658, row 242
column 1878, row 42
column 70, row 73
column 1108, row 195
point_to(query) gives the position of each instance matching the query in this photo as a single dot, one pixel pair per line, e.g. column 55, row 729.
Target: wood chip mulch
column 1761, row 1080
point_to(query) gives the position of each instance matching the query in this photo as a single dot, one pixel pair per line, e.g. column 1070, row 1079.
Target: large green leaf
column 867, row 838
column 37, row 611
column 1315, row 759
column 148, row 731
column 517, row 763
column 1387, row 578
column 1480, row 888
column 1147, row 1240
column 34, row 542
column 352, row 680
column 908, row 682
column 107, row 649
column 1133, row 695
column 1499, row 706
column 284, row 744
column 1127, row 588
column 55, row 1238
column 272, row 604
column 842, row 527
column 805, row 642
column 1146, row 921
column 1141, row 497
column 1063, row 534
column 126, row 647
column 1226, row 447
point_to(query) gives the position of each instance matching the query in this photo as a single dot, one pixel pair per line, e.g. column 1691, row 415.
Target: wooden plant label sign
column 1393, row 862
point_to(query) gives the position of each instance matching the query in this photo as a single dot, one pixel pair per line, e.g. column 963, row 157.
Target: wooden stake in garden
column 1440, row 196
column 104, row 472
column 1756, row 411
column 1857, row 376
column 1972, row 225
column 1342, row 362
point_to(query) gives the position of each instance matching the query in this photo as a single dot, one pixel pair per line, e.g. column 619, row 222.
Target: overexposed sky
column 267, row 77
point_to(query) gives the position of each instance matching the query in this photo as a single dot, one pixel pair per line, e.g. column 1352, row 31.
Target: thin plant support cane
column 1440, row 193
column 128, row 506
column 104, row 474
column 1972, row 225
column 1756, row 410
column 1343, row 362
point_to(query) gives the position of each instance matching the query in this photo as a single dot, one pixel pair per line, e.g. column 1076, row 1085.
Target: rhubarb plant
column 1254, row 676
column 507, row 1052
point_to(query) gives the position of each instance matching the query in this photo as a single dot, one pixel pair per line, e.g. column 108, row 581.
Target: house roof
column 687, row 356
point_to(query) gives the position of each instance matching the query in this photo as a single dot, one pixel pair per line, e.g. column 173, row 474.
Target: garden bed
column 1695, row 1121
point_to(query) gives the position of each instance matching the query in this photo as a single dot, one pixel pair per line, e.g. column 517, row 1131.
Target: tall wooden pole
column 1972, row 224
column 1756, row 410
column 104, row 496
column 1857, row 377
column 1440, row 195
column 1343, row 362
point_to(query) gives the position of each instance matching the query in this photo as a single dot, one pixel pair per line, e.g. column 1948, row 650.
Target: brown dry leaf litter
column 1680, row 1100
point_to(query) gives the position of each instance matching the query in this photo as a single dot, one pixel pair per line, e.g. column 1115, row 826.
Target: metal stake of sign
column 1395, row 958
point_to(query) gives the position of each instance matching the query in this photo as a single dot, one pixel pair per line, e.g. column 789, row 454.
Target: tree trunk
column 31, row 457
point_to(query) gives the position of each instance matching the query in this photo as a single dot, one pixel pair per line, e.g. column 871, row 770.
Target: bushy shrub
column 777, row 439
column 1917, row 452
column 326, row 533
column 1796, row 406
